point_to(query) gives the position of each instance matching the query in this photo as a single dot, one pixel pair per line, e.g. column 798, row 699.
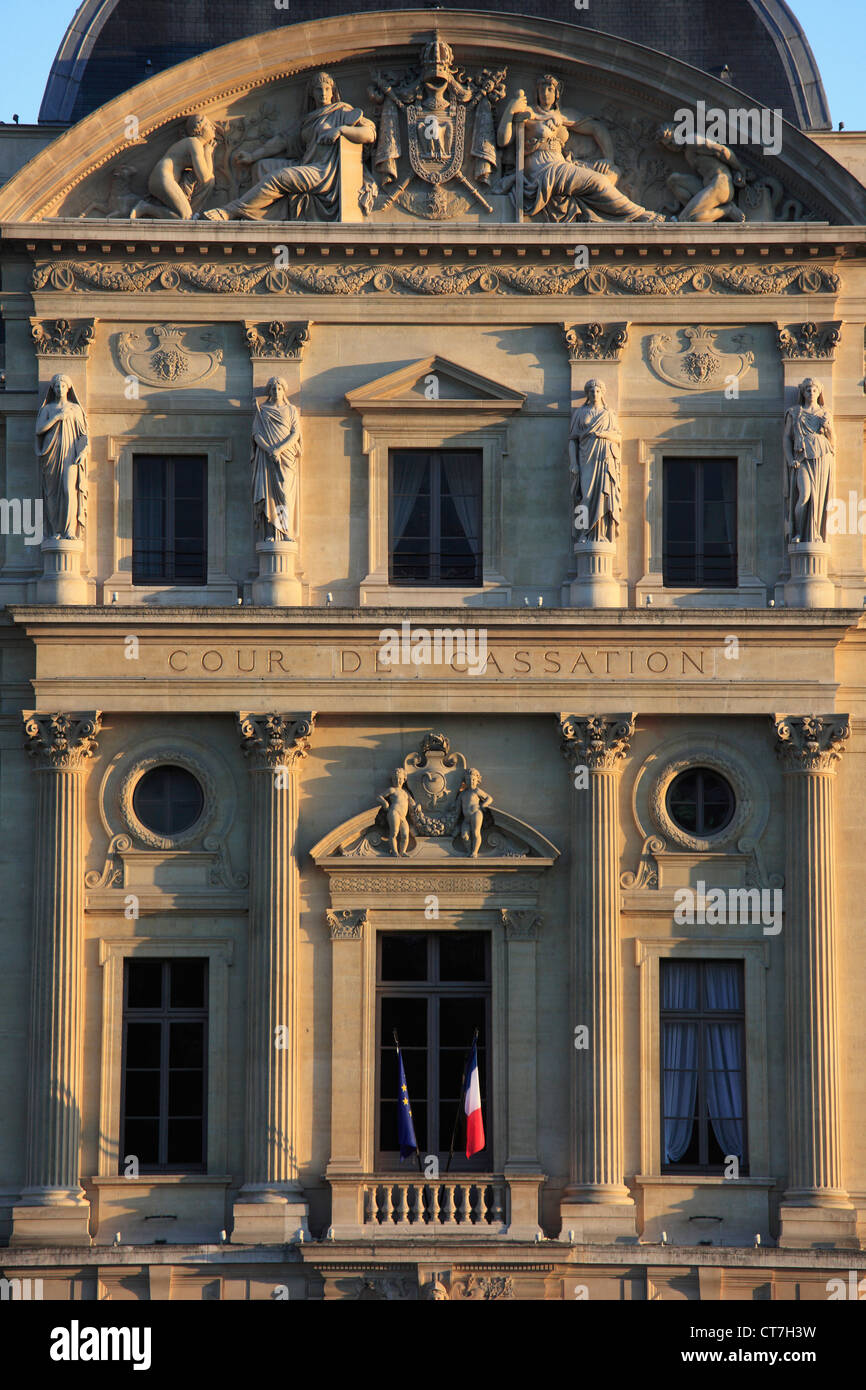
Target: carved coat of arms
column 701, row 366
column 169, row 362
column 426, row 114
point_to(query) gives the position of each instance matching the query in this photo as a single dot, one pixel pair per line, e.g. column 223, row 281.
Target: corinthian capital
column 271, row 741
column 811, row 742
column 346, row 925
column 63, row 742
column 595, row 741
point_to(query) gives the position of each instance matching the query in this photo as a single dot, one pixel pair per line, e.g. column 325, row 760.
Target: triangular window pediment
column 434, row 381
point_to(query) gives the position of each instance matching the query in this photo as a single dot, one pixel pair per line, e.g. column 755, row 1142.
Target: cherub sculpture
column 473, row 802
column 396, row 801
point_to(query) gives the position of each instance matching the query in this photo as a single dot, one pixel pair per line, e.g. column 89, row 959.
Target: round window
column 700, row 801
column 168, row 799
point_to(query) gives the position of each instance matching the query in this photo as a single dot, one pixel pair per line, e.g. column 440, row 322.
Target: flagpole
column 417, row 1150
column 462, row 1096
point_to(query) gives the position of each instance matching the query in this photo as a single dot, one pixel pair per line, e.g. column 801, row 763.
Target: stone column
column 271, row 1208
column 597, row 1205
column 276, row 349
column 53, row 1209
column 594, row 351
column 815, row 1208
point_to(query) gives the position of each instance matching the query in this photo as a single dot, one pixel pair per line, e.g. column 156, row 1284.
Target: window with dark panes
column 700, row 523
column 434, row 989
column 435, row 516
column 163, row 1111
column 169, row 519
column 703, row 1099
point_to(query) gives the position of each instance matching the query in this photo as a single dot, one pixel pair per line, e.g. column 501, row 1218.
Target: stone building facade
column 433, row 582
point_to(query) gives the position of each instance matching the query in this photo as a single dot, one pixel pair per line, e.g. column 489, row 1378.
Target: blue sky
column 836, row 29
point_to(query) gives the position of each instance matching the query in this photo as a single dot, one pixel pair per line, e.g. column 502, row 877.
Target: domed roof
column 112, row 45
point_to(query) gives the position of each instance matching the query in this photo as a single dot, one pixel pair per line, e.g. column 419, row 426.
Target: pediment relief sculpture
column 207, row 130
column 550, row 182
column 435, row 810
column 312, row 176
column 436, row 115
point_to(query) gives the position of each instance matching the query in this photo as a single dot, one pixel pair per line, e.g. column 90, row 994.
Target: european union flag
column 405, row 1124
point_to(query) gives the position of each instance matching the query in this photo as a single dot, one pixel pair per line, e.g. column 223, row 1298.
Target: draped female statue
column 62, row 447
column 595, row 444
column 275, row 465
column 809, row 448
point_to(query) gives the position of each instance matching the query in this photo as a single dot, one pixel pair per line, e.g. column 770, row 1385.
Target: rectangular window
column 434, row 989
column 700, row 523
column 703, row 1066
column 169, row 519
column 435, row 516
column 165, row 1012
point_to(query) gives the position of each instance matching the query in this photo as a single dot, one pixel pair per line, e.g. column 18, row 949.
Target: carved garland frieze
column 62, row 338
column 139, row 278
column 808, row 342
column 412, row 883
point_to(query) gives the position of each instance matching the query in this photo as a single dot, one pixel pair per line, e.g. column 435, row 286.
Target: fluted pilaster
column 809, row 748
column 594, row 748
column 60, row 745
column 274, row 746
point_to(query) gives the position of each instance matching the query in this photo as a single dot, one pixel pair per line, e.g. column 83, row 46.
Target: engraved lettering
column 350, row 670
column 205, row 666
column 171, row 662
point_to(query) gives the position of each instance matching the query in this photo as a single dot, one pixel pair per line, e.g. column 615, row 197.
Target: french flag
column 472, row 1106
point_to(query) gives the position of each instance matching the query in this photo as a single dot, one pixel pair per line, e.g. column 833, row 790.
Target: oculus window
column 168, row 799
column 169, row 519
column 434, row 989
column 703, row 1070
column 435, row 516
column 700, row 801
column 700, row 523
column 165, row 1015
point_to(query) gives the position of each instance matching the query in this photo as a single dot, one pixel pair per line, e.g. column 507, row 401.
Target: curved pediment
column 455, row 167
column 435, row 815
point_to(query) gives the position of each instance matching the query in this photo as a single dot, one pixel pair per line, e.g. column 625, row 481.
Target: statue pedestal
column 594, row 585
column 277, row 585
column 809, row 585
column 61, row 580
